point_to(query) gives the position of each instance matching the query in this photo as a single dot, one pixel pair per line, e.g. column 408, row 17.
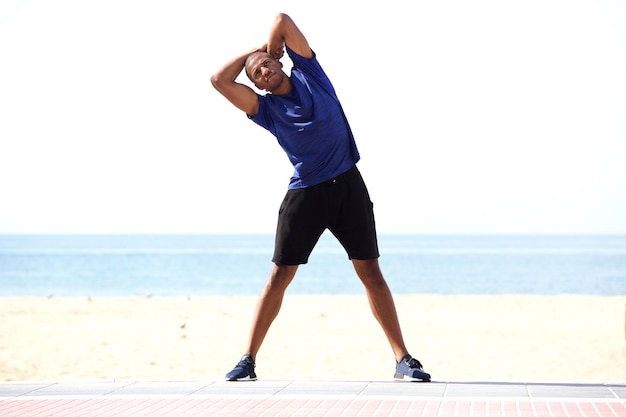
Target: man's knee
column 368, row 266
column 369, row 271
column 281, row 276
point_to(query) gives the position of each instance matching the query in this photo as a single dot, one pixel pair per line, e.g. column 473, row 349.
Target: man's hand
column 278, row 52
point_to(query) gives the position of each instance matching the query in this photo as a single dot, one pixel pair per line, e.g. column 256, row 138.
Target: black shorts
column 341, row 205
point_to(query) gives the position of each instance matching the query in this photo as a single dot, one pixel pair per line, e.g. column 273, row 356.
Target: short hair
column 249, row 58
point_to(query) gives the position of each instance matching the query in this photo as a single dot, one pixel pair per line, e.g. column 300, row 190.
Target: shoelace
column 246, row 361
column 414, row 363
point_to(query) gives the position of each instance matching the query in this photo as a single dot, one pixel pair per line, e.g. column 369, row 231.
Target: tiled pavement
column 310, row 398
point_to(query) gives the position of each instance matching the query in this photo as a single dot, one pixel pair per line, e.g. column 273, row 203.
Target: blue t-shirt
column 309, row 124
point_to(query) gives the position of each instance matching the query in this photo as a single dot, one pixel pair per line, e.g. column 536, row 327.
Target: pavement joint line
column 612, row 391
column 450, row 399
column 310, row 388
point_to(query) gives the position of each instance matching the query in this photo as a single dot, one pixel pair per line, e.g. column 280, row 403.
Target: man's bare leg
column 381, row 303
column 384, row 309
column 267, row 309
column 269, row 304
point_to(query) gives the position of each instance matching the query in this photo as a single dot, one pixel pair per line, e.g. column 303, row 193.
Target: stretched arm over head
column 240, row 95
column 284, row 31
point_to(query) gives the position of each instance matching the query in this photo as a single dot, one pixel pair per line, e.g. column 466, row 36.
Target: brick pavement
column 310, row 398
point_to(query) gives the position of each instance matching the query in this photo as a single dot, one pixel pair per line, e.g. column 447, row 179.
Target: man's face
column 265, row 72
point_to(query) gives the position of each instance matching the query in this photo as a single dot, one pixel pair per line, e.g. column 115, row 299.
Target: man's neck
column 284, row 87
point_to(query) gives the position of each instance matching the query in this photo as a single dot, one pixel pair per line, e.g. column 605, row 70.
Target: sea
column 239, row 264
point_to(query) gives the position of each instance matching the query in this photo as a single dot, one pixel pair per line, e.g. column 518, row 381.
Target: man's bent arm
column 284, row 31
column 240, row 95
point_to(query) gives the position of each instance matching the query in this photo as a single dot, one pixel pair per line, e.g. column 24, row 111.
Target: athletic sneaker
column 244, row 371
column 411, row 369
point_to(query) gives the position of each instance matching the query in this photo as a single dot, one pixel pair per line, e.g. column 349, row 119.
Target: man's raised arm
column 284, row 31
column 240, row 95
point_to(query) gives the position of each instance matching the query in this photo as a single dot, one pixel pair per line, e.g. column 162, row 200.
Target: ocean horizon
column 238, row 264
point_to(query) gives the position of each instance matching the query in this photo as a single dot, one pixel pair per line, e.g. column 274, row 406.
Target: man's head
column 264, row 71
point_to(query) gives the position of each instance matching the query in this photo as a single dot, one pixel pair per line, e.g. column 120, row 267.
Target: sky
column 483, row 117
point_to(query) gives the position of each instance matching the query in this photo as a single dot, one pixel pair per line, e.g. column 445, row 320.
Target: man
column 326, row 190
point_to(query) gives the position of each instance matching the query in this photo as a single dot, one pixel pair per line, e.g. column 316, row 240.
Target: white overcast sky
column 471, row 116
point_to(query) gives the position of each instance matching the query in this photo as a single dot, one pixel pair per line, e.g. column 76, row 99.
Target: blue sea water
column 200, row 265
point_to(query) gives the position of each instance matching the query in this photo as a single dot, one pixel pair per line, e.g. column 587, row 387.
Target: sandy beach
column 458, row 338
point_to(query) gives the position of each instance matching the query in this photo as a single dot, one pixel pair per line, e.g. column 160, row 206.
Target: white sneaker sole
column 402, row 377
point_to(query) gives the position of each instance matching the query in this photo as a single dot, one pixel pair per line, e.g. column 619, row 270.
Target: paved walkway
column 310, row 398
